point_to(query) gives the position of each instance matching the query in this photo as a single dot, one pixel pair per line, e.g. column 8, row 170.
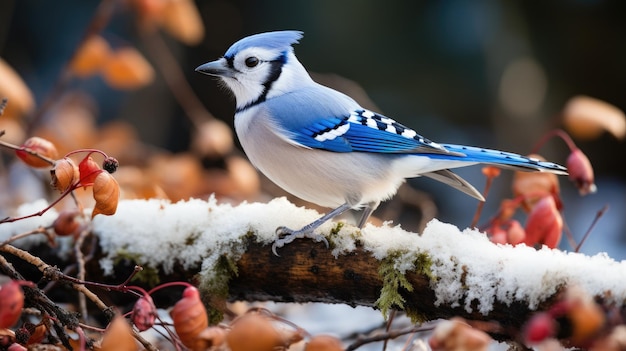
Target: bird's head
column 260, row 67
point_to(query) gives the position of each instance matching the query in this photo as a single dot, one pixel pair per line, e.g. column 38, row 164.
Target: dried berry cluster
column 258, row 329
column 67, row 176
column 538, row 195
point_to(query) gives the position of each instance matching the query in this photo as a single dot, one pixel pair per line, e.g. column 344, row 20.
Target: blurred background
column 486, row 73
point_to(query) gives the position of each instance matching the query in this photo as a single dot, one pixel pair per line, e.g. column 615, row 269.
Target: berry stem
column 166, row 285
column 88, row 151
column 555, row 133
column 481, row 204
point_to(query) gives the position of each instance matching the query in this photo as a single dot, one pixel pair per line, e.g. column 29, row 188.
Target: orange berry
column 181, row 20
column 118, row 336
column 12, row 87
column 534, row 185
column 585, row 315
column 455, row 334
column 544, row 224
column 586, row 118
column 190, row 319
column 64, row 174
column 106, row 192
column 66, row 223
column 39, row 146
column 90, row 57
column 127, row 69
column 38, row 332
column 324, row 343
column 253, row 332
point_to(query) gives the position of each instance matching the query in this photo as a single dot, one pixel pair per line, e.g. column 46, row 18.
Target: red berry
column 539, row 327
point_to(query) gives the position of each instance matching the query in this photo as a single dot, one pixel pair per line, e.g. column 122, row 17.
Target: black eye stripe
column 275, row 69
column 230, row 61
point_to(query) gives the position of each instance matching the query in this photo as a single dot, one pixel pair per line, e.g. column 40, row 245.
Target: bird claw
column 286, row 235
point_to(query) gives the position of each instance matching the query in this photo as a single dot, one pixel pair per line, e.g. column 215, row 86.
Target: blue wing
column 364, row 131
column 322, row 118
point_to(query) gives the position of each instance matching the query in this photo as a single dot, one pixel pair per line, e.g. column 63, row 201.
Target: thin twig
column 599, row 215
column 40, row 230
column 31, row 152
column 51, row 272
column 79, row 183
column 388, row 335
column 80, row 261
column 54, row 273
column 143, row 341
column 60, row 318
column 392, row 316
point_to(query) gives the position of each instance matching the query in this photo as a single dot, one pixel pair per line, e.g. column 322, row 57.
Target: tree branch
column 439, row 274
column 308, row 272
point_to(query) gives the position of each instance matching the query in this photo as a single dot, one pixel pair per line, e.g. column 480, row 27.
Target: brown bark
column 308, row 272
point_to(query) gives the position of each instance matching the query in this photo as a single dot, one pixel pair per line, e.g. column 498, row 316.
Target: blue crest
column 279, row 40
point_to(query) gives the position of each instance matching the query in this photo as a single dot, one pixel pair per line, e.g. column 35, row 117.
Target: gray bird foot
column 286, row 235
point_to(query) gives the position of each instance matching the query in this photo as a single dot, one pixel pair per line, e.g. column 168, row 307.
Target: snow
column 469, row 270
column 492, row 272
column 26, row 225
column 508, row 273
column 159, row 232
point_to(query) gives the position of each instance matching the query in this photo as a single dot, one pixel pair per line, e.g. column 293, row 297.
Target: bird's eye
column 252, row 61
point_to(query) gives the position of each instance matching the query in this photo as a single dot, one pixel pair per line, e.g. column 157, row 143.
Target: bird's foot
column 286, row 235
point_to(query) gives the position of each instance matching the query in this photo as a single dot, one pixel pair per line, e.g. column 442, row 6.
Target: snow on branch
column 439, row 274
column 465, row 268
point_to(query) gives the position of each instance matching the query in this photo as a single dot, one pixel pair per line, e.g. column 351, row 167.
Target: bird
column 322, row 146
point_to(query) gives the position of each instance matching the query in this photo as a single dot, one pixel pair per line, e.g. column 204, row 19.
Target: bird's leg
column 367, row 212
column 286, row 235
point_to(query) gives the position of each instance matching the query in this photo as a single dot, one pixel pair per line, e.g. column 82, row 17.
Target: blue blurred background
column 486, row 73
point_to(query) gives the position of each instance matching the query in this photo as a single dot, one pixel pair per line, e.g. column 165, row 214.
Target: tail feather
column 501, row 159
column 447, row 177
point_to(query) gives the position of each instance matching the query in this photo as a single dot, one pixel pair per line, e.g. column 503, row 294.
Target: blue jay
column 320, row 145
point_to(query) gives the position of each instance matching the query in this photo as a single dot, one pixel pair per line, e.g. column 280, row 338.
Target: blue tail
column 500, row 159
